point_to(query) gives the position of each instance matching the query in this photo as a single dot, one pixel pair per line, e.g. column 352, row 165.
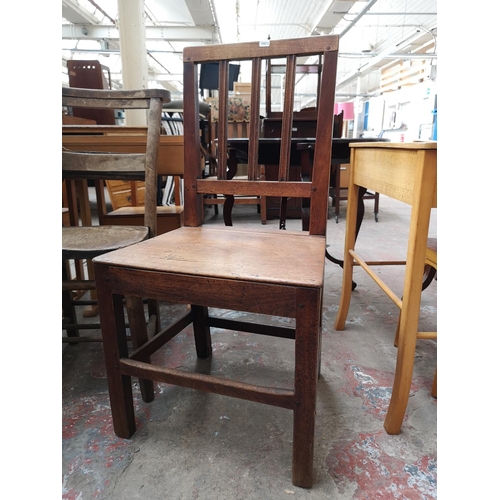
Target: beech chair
column 81, row 242
column 430, row 272
column 266, row 271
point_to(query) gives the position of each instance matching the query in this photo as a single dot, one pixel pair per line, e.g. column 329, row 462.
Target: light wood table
column 406, row 172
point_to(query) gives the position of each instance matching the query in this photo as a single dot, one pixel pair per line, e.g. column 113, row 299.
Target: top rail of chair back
column 265, row 49
column 126, row 99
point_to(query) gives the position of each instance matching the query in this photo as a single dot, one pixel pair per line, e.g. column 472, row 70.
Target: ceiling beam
column 110, row 32
column 200, row 11
column 333, row 15
column 73, row 13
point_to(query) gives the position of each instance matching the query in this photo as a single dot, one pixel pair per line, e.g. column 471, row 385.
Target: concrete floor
column 192, row 445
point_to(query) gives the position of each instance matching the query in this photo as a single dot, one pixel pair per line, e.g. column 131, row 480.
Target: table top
column 397, row 169
column 269, row 148
column 396, row 145
column 296, row 140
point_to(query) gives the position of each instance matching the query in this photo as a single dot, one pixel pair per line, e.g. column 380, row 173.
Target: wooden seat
column 406, row 172
column 267, row 271
column 87, row 241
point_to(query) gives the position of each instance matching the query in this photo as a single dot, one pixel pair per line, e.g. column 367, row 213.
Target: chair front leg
column 115, row 347
column 307, row 347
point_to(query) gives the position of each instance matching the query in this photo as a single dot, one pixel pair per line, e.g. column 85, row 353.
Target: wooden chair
column 269, row 272
column 86, row 242
column 430, row 271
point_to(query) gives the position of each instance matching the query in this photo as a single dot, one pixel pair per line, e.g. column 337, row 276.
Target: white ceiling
column 373, row 33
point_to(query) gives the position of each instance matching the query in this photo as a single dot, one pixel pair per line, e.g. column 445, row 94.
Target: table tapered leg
column 350, row 240
column 412, row 292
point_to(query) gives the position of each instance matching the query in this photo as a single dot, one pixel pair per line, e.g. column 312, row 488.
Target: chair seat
column 88, row 242
column 229, row 253
column 431, row 252
column 160, row 210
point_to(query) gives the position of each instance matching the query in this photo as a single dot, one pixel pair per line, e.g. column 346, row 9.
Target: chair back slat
column 85, row 165
column 223, row 113
column 326, row 47
column 286, row 127
column 254, row 125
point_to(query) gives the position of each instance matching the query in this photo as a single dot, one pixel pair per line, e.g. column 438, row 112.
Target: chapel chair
column 406, row 172
column 80, row 242
column 268, row 272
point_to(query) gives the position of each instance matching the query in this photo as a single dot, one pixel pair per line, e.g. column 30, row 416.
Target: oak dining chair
column 267, row 271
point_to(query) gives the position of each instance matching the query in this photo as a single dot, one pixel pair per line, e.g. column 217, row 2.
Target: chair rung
column 377, row 279
column 283, row 398
column 427, row 335
column 85, row 302
column 70, row 340
column 81, row 326
column 162, row 337
column 84, row 326
column 242, row 326
column 78, row 285
column 383, row 263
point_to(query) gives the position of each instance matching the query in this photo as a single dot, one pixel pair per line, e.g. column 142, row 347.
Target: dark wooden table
column 269, row 149
column 301, row 152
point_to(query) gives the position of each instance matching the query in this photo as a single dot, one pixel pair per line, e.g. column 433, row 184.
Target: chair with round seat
column 80, row 242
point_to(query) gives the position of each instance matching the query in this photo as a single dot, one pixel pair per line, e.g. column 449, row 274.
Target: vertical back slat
column 268, row 87
column 253, row 126
column 152, row 152
column 286, row 129
column 223, row 115
column 192, row 202
column 323, row 148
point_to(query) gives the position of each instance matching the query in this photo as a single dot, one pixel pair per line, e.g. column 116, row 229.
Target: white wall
column 412, row 109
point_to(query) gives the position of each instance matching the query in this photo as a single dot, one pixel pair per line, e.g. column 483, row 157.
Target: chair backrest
column 326, row 47
column 123, row 166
